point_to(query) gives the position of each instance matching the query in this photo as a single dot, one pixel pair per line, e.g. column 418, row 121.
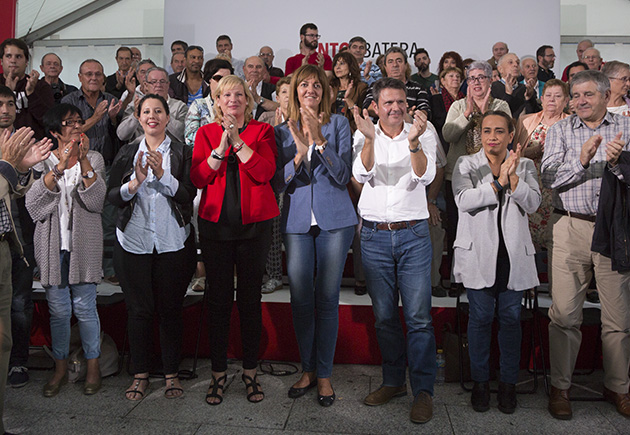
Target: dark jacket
column 517, row 102
column 611, row 237
column 179, row 90
column 266, row 92
column 122, row 168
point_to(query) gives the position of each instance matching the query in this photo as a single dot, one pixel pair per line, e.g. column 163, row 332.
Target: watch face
column 89, row 174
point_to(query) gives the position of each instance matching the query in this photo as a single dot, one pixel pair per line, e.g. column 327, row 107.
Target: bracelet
column 416, row 149
column 57, row 174
column 321, row 147
column 215, row 155
column 238, row 147
column 497, row 185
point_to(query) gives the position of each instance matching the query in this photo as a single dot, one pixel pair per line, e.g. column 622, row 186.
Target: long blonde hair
column 230, row 82
column 306, row 72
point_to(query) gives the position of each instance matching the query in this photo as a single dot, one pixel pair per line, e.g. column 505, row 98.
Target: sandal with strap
column 255, row 386
column 213, row 392
column 135, row 390
column 172, row 388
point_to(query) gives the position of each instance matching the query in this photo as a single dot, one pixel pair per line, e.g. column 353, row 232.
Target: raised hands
column 141, row 169
column 113, row 110
column 84, row 147
column 65, row 153
column 14, row 148
column 312, row 125
column 364, row 123
column 589, row 148
column 507, row 174
column 484, row 103
column 419, row 126
column 346, row 97
column 37, row 152
column 367, row 70
column 614, row 149
column 231, row 127
column 154, row 160
column 31, row 82
column 301, row 141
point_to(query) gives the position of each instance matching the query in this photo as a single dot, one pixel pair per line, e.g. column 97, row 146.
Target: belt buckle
column 389, row 226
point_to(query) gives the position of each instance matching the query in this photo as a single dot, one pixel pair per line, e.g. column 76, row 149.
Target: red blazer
column 258, row 202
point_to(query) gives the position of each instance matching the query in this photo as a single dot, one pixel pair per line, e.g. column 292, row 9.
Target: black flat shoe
column 326, row 401
column 294, row 393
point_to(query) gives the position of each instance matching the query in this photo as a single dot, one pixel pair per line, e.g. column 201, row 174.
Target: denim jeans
column 399, row 263
column 315, row 305
column 61, row 305
column 482, row 307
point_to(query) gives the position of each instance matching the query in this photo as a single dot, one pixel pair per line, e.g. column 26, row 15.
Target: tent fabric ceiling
column 29, row 13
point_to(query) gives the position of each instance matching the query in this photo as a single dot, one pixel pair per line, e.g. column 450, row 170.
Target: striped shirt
column 575, row 188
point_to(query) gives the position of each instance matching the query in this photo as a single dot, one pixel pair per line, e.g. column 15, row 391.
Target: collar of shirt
column 402, row 135
column 513, row 86
column 576, row 121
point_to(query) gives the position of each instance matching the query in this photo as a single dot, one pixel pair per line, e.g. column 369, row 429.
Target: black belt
column 584, row 217
column 389, row 226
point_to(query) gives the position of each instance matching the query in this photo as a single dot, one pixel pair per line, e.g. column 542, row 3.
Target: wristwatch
column 216, row 155
column 262, row 100
column 88, row 175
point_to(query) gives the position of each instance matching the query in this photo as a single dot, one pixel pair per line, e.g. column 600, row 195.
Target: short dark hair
column 191, row 48
column 5, row 91
column 54, row 116
column 152, row 97
column 224, row 38
column 124, row 49
column 213, row 65
column 386, row 83
column 541, row 51
column 508, row 118
column 16, row 43
column 420, row 51
column 576, row 64
column 179, row 42
column 394, row 49
column 307, row 26
column 357, row 39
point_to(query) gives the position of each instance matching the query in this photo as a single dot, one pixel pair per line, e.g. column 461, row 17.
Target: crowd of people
column 496, row 161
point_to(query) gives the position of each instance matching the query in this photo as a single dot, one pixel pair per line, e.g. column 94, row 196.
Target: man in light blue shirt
column 369, row 72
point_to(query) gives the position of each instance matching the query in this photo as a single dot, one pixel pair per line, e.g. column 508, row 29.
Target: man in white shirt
column 395, row 161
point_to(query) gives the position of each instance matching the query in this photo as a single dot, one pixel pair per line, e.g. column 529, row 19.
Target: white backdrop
column 470, row 28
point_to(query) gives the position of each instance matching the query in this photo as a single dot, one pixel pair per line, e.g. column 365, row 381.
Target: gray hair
column 528, row 56
column 482, row 65
column 157, row 68
column 613, row 67
column 144, row 62
column 602, row 82
column 503, row 58
column 54, row 54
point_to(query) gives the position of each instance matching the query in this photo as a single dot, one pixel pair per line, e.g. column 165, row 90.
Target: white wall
column 472, row 27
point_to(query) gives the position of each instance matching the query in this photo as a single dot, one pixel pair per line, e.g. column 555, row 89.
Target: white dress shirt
column 392, row 191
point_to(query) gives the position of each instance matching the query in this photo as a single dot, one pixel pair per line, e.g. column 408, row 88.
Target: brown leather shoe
column 621, row 401
column 384, row 395
column 559, row 404
column 422, row 408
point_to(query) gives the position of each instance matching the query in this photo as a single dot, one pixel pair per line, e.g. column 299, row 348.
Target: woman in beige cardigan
column 66, row 204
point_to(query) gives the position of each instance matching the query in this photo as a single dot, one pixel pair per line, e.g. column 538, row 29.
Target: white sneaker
column 271, row 286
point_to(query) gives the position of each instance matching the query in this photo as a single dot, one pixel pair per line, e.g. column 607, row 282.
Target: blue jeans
column 399, row 262
column 315, row 305
column 482, row 306
column 61, row 305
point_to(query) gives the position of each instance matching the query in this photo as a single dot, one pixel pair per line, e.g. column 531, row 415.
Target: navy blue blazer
column 323, row 189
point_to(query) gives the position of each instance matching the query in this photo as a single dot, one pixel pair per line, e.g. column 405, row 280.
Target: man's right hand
column 100, row 110
column 15, row 147
column 364, row 123
column 589, row 149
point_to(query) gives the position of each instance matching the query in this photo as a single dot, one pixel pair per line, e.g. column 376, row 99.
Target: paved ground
column 28, row 412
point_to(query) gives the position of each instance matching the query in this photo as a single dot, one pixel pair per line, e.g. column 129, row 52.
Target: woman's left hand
column 312, row 125
column 229, row 123
column 84, row 147
column 346, row 97
column 154, row 160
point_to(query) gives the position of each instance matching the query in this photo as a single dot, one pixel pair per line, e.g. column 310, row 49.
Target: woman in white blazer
column 494, row 190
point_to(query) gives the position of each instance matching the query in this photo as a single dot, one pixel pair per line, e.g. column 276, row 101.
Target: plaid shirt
column 575, row 188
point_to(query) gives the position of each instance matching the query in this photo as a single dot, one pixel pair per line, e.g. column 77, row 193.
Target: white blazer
column 477, row 244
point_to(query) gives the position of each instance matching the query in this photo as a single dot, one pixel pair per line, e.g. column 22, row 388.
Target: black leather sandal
column 172, row 388
column 135, row 390
column 213, row 392
column 255, row 386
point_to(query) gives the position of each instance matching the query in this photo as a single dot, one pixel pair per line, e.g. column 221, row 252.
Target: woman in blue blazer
column 314, row 166
column 493, row 252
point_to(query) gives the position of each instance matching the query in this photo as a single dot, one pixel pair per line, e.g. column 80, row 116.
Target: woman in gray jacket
column 66, row 204
column 493, row 253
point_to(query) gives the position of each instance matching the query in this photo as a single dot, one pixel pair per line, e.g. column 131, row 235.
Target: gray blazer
column 477, row 243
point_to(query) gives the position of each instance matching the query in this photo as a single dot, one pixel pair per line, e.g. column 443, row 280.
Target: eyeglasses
column 623, row 79
column 91, row 74
column 155, row 82
column 477, row 79
column 591, row 57
column 217, row 77
column 72, row 122
column 313, row 35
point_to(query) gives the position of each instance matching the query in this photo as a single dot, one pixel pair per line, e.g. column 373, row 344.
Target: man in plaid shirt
column 577, row 150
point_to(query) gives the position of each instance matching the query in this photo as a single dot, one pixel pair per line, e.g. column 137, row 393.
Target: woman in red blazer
column 234, row 159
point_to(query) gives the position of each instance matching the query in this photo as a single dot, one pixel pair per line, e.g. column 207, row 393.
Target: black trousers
column 155, row 283
column 220, row 257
